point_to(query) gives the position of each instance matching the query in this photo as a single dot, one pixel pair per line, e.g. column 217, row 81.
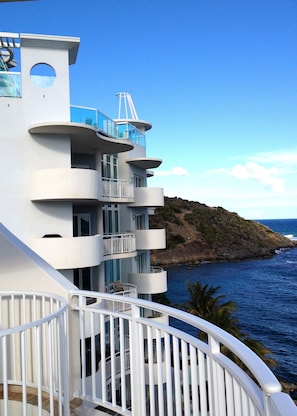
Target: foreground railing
column 137, row 366
column 33, row 354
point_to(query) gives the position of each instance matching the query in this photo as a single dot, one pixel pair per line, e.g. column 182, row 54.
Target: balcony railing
column 169, row 371
column 128, row 363
column 95, row 118
column 127, row 131
column 103, row 123
column 117, row 244
column 151, row 282
column 117, row 189
column 122, row 289
column 10, row 84
column 33, row 354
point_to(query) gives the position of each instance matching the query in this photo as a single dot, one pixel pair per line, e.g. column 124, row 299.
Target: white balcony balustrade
column 117, row 190
column 125, row 362
column 33, row 354
column 69, row 252
column 64, row 185
column 152, row 282
column 120, row 289
column 149, row 368
column 119, row 245
column 74, row 184
column 148, row 197
column 150, row 239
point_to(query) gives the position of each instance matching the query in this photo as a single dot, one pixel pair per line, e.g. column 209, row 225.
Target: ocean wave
column 291, row 237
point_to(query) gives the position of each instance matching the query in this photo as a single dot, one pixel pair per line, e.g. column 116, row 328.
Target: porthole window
column 43, row 75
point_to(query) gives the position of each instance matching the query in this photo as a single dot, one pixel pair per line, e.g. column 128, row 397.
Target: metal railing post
column 137, row 368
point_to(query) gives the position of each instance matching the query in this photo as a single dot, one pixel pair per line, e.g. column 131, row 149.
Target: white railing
column 168, row 371
column 117, row 189
column 33, row 353
column 119, row 244
column 156, row 269
column 122, row 289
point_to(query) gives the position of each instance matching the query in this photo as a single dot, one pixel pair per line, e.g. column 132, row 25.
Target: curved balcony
column 122, row 289
column 150, row 239
column 148, row 197
column 83, row 137
column 133, row 365
column 65, row 184
column 172, row 372
column 30, row 370
column 69, row 252
column 118, row 246
column 150, row 283
column 145, row 162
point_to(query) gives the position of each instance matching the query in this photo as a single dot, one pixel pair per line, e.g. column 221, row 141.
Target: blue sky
column 217, row 79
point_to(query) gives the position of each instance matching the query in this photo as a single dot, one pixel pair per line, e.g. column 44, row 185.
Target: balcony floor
column 15, row 404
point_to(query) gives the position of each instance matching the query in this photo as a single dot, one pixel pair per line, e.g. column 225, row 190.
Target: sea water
column 265, row 292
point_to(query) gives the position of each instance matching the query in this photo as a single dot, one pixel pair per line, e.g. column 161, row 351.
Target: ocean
column 265, row 292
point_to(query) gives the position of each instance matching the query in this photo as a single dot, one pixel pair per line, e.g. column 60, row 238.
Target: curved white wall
column 150, row 239
column 65, row 184
column 70, row 252
column 150, row 283
column 148, row 197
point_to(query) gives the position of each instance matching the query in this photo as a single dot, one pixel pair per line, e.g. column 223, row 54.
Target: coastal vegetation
column 205, row 302
column 196, row 232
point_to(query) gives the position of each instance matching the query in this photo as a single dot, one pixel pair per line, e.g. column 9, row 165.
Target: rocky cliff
column 196, row 232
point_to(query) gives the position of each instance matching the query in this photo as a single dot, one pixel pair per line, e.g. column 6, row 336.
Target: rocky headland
column 196, row 233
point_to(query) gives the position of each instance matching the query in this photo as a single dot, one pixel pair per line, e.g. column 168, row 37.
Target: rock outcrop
column 196, row 233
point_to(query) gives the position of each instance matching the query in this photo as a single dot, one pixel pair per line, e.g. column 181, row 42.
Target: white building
column 79, row 189
column 74, row 256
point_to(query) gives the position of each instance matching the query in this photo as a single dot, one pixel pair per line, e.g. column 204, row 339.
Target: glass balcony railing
column 127, row 131
column 10, row 84
column 98, row 120
column 94, row 118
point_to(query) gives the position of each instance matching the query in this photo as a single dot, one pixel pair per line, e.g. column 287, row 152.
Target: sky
column 216, row 78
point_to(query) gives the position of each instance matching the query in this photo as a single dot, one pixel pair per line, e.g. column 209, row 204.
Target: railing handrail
column 194, row 366
column 116, row 180
column 135, row 135
column 37, row 322
column 92, row 109
column 156, row 269
column 33, row 348
column 10, row 72
column 119, row 235
column 266, row 379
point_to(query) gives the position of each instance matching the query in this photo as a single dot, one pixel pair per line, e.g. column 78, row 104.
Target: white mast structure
column 128, row 113
column 128, row 106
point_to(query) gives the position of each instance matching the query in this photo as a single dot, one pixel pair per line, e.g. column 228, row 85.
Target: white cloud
column 269, row 177
column 175, row 171
column 282, row 157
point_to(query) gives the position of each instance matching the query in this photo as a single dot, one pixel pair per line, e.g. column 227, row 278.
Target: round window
column 43, row 75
